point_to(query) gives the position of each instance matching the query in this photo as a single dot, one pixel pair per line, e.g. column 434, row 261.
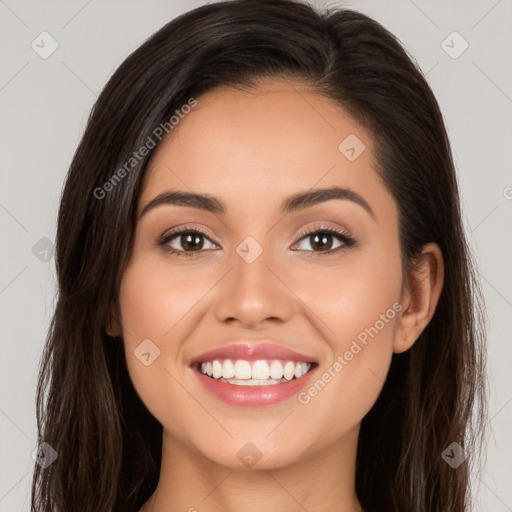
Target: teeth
column 228, row 369
column 276, row 370
column 255, row 373
column 289, row 370
column 260, row 370
column 300, row 370
column 242, row 370
column 252, row 382
column 217, row 369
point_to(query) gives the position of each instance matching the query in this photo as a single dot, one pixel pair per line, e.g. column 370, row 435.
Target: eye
column 324, row 237
column 191, row 241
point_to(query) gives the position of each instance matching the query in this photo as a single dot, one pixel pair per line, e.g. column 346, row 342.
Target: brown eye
column 326, row 240
column 321, row 241
column 186, row 242
column 191, row 241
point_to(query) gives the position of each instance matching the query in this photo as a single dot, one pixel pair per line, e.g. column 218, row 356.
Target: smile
column 253, row 375
column 260, row 372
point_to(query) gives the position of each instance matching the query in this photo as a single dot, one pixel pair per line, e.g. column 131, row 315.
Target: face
column 321, row 278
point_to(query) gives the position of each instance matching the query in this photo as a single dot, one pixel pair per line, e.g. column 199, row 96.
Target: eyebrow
column 293, row 203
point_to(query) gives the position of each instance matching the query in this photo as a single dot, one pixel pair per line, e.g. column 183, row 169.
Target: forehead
column 249, row 146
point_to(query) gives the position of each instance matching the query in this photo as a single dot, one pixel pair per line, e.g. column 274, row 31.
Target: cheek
column 352, row 296
column 150, row 311
column 359, row 311
column 159, row 305
column 155, row 298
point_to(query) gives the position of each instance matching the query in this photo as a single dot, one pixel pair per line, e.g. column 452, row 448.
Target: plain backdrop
column 45, row 103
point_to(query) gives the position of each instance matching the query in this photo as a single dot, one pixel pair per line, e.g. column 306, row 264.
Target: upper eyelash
column 347, row 240
column 342, row 235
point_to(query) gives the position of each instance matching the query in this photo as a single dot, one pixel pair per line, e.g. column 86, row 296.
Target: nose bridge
column 252, row 291
column 252, row 261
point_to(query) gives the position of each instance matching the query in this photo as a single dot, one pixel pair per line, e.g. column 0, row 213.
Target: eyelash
column 343, row 236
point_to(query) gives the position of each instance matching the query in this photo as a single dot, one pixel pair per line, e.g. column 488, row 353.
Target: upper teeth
column 258, row 370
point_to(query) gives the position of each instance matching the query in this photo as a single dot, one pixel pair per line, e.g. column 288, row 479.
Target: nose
column 254, row 292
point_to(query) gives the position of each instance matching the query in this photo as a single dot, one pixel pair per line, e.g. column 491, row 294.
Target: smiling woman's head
column 261, row 173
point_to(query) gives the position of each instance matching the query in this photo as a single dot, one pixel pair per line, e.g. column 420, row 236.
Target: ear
column 419, row 297
column 113, row 327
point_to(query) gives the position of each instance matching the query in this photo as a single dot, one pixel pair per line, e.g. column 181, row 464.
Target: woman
column 266, row 298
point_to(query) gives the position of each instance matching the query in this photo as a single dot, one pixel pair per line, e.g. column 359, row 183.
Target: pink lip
column 252, row 353
column 252, row 396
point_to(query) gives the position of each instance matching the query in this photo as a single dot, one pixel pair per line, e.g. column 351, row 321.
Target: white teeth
column 255, row 373
column 300, row 369
column 217, row 369
column 228, row 369
column 252, row 382
column 276, row 370
column 289, row 370
column 242, row 369
column 260, row 370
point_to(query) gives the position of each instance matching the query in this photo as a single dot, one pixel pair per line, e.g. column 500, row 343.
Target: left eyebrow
column 295, row 202
column 312, row 197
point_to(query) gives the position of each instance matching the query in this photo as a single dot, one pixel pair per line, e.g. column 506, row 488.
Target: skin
column 251, row 150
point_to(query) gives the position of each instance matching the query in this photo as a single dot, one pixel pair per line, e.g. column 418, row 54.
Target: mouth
column 260, row 372
column 245, row 374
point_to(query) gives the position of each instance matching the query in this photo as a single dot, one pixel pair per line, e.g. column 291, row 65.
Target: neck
column 190, row 482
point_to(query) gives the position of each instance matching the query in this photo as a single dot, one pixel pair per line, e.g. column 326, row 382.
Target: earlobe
column 420, row 298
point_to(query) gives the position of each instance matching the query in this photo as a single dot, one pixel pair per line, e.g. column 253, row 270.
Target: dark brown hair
column 109, row 445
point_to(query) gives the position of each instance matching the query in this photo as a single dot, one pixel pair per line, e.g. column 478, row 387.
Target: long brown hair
column 108, row 444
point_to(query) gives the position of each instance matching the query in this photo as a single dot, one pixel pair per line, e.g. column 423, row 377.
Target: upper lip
column 252, row 352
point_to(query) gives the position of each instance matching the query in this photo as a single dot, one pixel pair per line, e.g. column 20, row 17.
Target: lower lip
column 253, row 396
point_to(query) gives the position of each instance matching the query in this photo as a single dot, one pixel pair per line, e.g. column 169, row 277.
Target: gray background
column 44, row 106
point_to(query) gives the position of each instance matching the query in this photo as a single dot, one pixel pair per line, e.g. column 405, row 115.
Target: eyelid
column 324, row 228
column 185, row 228
column 343, row 235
